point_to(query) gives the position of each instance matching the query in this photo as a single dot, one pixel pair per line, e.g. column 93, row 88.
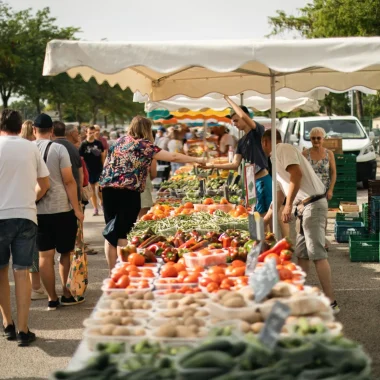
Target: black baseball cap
column 244, row 108
column 43, row 121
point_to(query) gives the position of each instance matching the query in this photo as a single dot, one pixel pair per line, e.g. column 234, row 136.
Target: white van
column 355, row 139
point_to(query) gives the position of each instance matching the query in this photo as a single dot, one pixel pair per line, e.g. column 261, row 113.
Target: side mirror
column 293, row 139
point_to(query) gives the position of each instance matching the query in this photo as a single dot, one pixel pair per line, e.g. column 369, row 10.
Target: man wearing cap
column 24, row 178
column 57, row 213
column 250, row 150
column 159, row 134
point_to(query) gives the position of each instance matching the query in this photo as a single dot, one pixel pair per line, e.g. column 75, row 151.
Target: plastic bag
column 110, row 232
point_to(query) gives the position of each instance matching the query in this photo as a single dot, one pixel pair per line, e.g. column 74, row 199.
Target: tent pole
column 242, row 98
column 274, row 166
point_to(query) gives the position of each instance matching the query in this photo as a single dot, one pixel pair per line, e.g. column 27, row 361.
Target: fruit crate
column 365, row 214
column 341, row 217
column 335, row 201
column 343, row 230
column 365, row 248
column 345, row 159
column 349, row 179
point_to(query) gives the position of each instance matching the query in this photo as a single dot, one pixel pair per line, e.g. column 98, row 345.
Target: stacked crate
column 345, row 187
column 375, row 214
column 365, row 214
column 373, row 190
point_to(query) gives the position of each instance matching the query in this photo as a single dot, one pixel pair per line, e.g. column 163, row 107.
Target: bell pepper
column 149, row 256
column 212, row 237
column 235, row 242
column 281, row 245
column 136, row 241
column 249, row 244
column 189, row 243
column 226, row 241
column 242, row 254
column 156, row 249
column 233, row 254
column 170, row 254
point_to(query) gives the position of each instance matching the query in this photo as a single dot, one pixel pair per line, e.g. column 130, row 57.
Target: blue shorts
column 17, row 238
column 93, row 177
column 264, row 194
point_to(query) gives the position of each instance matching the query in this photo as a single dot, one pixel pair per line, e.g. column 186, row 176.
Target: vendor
column 249, row 148
column 124, row 179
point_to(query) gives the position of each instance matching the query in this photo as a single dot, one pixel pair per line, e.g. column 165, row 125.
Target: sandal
column 91, row 252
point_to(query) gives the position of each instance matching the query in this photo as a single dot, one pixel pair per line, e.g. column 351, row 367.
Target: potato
column 252, row 316
column 245, row 327
column 191, row 321
column 137, row 304
column 96, row 332
column 117, row 305
column 222, row 293
column 174, row 296
column 257, row 327
column 230, row 295
column 201, row 313
column 193, row 328
column 117, row 295
column 189, row 312
column 184, row 332
column 140, row 332
column 200, row 295
column 127, row 321
column 128, row 305
column 107, row 330
column 121, row 331
column 146, row 305
column 168, row 331
column 187, row 300
column 172, row 304
column 148, row 296
column 281, row 289
column 137, row 296
column 111, row 320
column 234, row 302
column 202, row 333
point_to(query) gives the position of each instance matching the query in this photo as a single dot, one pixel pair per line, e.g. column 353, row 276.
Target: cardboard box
column 333, row 144
column 349, row 207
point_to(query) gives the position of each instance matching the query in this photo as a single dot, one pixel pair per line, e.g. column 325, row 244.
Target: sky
column 153, row 20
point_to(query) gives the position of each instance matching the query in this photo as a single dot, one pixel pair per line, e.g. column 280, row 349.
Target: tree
column 26, row 108
column 332, row 18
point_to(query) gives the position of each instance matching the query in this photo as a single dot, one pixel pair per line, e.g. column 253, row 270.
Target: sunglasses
column 316, row 138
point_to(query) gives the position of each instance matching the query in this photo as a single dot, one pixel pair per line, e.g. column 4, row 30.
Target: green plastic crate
column 343, row 230
column 365, row 214
column 344, row 159
column 341, row 217
column 365, row 248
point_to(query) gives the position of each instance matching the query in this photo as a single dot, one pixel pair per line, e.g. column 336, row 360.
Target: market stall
column 163, row 69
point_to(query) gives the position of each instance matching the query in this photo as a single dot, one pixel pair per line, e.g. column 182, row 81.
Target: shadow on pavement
column 57, row 347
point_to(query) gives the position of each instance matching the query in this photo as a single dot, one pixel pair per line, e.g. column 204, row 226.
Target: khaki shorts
column 311, row 245
column 146, row 196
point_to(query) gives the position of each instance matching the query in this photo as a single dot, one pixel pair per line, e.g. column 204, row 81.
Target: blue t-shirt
column 250, row 148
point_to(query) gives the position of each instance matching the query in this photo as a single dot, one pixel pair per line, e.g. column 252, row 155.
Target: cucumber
column 209, row 359
column 142, row 374
column 238, row 349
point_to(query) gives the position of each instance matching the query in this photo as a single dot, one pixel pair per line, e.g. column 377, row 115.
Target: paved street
column 357, row 289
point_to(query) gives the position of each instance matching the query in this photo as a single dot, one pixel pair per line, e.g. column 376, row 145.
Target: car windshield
column 345, row 129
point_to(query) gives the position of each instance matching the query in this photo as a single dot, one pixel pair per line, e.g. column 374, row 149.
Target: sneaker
column 24, row 339
column 335, row 307
column 10, row 332
column 52, row 305
column 96, row 212
column 71, row 301
column 38, row 294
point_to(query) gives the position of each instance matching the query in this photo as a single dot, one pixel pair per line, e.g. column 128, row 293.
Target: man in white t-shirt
column 24, row 178
column 300, row 185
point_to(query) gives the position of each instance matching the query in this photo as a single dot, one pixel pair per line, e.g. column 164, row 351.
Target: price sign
column 264, row 279
column 252, row 258
column 270, row 333
column 256, row 226
column 202, row 187
column 250, row 185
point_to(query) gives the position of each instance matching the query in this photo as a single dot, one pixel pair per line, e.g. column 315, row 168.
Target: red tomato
column 273, row 256
column 238, row 263
column 123, row 282
column 182, row 275
column 285, row 274
column 204, row 281
column 215, row 270
column 111, row 284
column 215, row 278
column 212, row 287
column 179, row 267
column 191, row 279
column 238, row 271
column 291, row 266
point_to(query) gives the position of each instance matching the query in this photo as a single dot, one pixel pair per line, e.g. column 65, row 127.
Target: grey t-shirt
column 56, row 199
column 76, row 162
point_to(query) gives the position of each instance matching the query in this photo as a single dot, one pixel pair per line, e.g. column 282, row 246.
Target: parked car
column 355, row 139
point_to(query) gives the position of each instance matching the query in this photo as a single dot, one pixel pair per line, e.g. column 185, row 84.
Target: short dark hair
column 59, row 128
column 268, row 135
column 11, row 121
column 243, row 108
column 91, row 128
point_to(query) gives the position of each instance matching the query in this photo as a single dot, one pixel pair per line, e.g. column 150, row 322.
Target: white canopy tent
column 195, row 68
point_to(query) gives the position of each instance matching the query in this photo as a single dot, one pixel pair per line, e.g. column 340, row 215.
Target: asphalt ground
column 357, row 287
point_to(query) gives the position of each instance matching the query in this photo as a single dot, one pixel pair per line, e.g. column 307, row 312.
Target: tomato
column 188, row 205
column 143, row 284
column 204, row 281
column 238, row 263
column 123, row 282
column 215, row 278
column 241, row 209
column 169, row 263
column 182, row 275
column 111, row 284
column 136, row 259
column 215, row 270
column 230, row 271
column 224, row 201
column 147, row 217
column 179, row 267
column 291, row 266
column 181, row 261
column 242, row 281
column 272, row 256
column 191, row 279
column 148, row 274
column 285, row 274
column 134, row 274
column 223, row 266
column 225, row 286
column 208, row 201
column 198, row 269
column 212, row 287
column 238, row 271
column 116, row 275
column 227, row 281
column 169, row 271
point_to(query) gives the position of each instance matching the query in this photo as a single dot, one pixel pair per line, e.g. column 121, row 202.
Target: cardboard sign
column 256, row 226
column 269, row 335
column 252, row 258
column 263, row 280
column 250, row 185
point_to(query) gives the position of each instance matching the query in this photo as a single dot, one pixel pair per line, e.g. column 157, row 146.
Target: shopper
column 227, row 141
column 38, row 291
column 24, row 178
column 175, row 145
column 92, row 151
column 124, row 179
column 300, row 185
column 250, row 150
column 101, row 138
column 160, row 133
column 57, row 213
column 146, row 196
